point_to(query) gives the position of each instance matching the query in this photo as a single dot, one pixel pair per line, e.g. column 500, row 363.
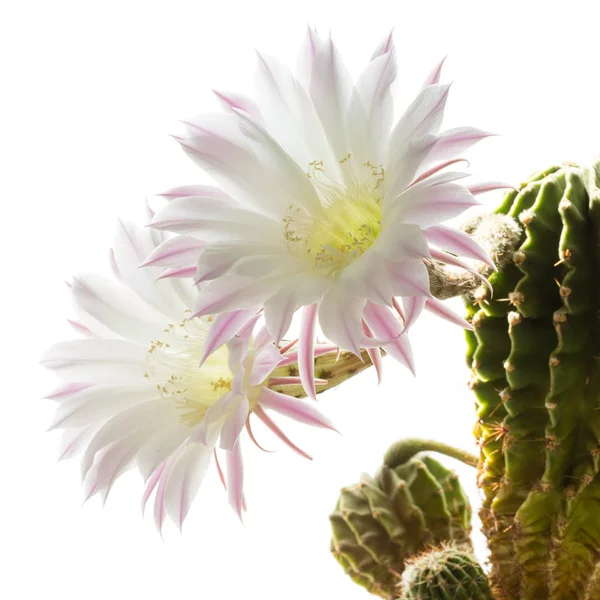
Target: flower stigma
column 347, row 226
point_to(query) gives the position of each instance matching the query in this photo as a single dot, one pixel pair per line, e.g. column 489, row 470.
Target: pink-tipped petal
column 383, row 323
column 234, row 423
column 223, row 328
column 294, row 408
column 441, row 310
column 64, row 390
column 340, row 318
column 233, row 100
column 264, row 417
column 374, row 353
column 219, row 469
column 429, row 173
column 413, row 307
column 206, row 191
column 151, row 484
column 265, row 360
column 306, row 350
column 434, row 75
column 253, row 438
column 176, row 252
column 82, row 329
column 235, row 479
column 176, row 273
column 457, row 242
column 490, row 186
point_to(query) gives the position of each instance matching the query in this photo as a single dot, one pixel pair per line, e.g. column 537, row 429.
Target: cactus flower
column 140, row 391
column 325, row 203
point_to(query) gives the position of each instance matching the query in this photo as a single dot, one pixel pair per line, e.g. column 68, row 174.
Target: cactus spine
column 534, row 354
column 445, row 573
column 411, row 504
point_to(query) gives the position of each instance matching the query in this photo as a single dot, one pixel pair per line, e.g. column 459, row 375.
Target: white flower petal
column 340, row 318
column 180, row 251
column 97, row 361
column 117, row 308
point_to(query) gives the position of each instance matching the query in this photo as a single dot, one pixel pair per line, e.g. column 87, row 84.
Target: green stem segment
column 401, row 452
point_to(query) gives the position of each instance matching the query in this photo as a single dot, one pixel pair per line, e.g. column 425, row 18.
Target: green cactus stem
column 534, row 355
column 445, row 573
column 412, row 503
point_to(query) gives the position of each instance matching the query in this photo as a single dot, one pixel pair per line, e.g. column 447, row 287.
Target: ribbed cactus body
column 535, row 356
column 383, row 520
column 445, row 573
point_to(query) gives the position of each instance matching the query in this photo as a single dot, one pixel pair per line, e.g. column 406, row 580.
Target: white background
column 90, row 92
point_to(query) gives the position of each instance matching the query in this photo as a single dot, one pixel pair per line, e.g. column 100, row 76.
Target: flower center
column 173, row 368
column 348, row 225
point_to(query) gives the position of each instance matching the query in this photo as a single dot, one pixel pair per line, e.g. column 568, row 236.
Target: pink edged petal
column 441, row 310
column 490, row 186
column 320, row 349
column 297, row 189
column 434, row 75
column 294, row 408
column 145, row 419
column 290, row 114
column 234, row 423
column 219, row 469
column 445, row 177
column 179, row 251
column 232, row 100
column 235, row 479
column 253, row 438
column 402, row 167
column 72, row 441
column 82, row 329
column 176, row 273
column 206, row 191
column 413, row 307
column 237, row 170
column 308, row 51
column 264, row 417
column 159, row 498
column 233, row 293
column 157, row 449
column 383, row 323
column 330, row 90
column 385, row 45
column 374, row 354
column 95, row 404
column 262, row 337
column 427, row 206
column 456, row 141
column 223, row 328
column 371, row 109
column 265, row 360
column 424, row 116
column 401, row 241
column 132, row 246
column 65, row 390
column 97, row 361
column 114, row 267
column 340, row 318
column 117, row 307
column 449, row 259
column 184, row 480
column 457, row 242
column 151, row 484
column 409, row 277
column 280, row 308
column 210, row 221
column 306, row 350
